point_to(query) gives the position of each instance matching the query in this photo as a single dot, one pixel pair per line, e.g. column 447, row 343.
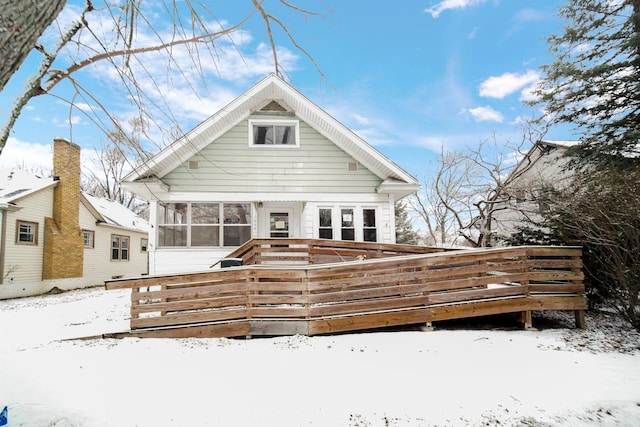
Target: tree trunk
column 22, row 22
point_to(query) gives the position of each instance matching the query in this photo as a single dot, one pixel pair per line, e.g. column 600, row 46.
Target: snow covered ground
column 447, row 377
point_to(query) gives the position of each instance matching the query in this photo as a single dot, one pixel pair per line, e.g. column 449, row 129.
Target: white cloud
column 30, row 155
column 361, row 119
column 508, row 83
column 530, row 15
column 67, row 121
column 486, row 114
column 440, row 7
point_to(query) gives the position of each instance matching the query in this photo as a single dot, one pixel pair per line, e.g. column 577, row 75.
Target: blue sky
column 409, row 79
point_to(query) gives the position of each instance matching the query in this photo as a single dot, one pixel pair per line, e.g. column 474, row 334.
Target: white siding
column 98, row 266
column 23, row 263
column 169, row 260
column 230, row 165
column 545, row 170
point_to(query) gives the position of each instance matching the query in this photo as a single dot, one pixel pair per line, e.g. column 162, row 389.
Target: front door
column 279, row 223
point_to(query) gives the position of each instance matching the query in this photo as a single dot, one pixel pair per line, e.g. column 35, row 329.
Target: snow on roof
column 16, row 183
column 560, row 143
column 115, row 214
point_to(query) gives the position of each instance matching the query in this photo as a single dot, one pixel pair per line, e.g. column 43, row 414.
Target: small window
column 26, row 233
column 144, row 245
column 325, row 229
column 369, row 225
column 520, row 196
column 119, row 248
column 278, row 133
column 348, row 230
column 89, row 238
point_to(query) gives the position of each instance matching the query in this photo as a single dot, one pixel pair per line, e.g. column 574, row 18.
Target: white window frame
column 222, row 225
column 123, row 248
column 275, row 122
column 91, row 239
column 33, row 233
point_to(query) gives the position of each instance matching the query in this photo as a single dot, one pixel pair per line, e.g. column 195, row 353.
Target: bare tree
column 22, row 22
column 109, row 33
column 459, row 203
column 111, row 164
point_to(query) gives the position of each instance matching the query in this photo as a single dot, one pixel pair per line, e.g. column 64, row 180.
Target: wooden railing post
column 576, row 267
column 527, row 320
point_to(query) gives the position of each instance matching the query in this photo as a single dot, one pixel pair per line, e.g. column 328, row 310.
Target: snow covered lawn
column 406, row 378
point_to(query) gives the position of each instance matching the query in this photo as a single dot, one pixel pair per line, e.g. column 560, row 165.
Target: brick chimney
column 63, row 241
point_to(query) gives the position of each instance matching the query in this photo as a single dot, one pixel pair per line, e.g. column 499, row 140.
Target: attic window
column 193, row 165
column 274, row 133
column 352, row 167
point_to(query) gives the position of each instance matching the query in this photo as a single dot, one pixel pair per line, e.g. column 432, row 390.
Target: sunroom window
column 199, row 224
column 273, row 133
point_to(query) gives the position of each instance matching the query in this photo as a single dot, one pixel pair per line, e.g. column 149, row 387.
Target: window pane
column 237, row 213
column 262, row 134
column 236, row 235
column 205, row 213
column 173, row 213
column 348, row 234
column 325, row 233
column 369, row 234
column 285, row 135
column 26, row 233
column 347, row 217
column 205, row 235
column 325, row 217
column 172, row 235
column 369, row 217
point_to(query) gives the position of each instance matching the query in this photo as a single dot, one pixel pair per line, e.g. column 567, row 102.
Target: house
column 541, row 168
column 54, row 236
column 269, row 164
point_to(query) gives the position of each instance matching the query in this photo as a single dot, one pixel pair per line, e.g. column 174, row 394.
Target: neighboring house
column 269, row 164
column 52, row 235
column 541, row 168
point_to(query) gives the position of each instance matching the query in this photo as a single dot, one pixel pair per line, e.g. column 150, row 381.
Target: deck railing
column 383, row 289
column 286, row 251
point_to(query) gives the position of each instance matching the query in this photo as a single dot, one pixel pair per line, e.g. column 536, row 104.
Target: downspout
column 3, row 234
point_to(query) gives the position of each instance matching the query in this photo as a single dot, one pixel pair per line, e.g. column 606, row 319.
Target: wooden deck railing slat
column 382, row 285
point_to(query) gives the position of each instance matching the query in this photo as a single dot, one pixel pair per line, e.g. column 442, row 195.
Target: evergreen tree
column 405, row 234
column 594, row 82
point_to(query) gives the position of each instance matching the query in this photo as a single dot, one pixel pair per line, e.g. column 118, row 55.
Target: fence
column 294, row 286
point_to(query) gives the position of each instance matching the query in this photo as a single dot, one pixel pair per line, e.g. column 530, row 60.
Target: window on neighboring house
column 325, row 228
column 273, row 133
column 369, row 231
column 119, row 248
column 26, row 233
column 520, row 196
column 199, row 224
column 89, row 238
column 144, row 245
column 348, row 231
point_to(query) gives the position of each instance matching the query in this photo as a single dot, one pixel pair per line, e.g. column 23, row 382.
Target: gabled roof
column 16, row 183
column 535, row 153
column 113, row 213
column 267, row 90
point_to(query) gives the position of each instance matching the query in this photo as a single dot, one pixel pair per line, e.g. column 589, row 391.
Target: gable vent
column 352, row 167
column 193, row 165
column 273, row 106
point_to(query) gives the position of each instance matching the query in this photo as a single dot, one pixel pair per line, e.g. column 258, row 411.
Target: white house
column 542, row 167
column 269, row 164
column 52, row 235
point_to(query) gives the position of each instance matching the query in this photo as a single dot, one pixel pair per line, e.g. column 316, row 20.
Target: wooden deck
column 311, row 287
